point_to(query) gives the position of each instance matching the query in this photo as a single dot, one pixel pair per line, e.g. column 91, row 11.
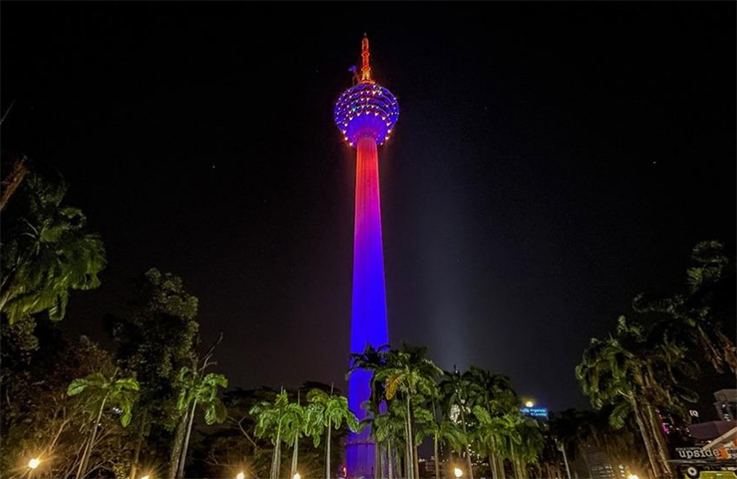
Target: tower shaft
column 369, row 324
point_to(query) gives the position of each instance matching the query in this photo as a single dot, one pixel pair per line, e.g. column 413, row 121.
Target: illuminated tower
column 366, row 114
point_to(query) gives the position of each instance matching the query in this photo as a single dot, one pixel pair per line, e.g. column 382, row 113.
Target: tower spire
column 365, row 54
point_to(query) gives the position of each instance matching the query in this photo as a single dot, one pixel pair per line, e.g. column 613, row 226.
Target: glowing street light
column 240, row 476
column 296, row 476
column 145, row 477
column 633, row 476
column 458, row 472
column 34, row 463
column 530, row 404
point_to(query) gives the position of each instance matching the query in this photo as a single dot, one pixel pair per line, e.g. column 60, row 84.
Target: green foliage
column 203, row 390
column 47, row 251
column 99, row 389
column 700, row 319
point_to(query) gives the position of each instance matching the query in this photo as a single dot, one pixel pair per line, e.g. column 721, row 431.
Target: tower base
column 360, row 456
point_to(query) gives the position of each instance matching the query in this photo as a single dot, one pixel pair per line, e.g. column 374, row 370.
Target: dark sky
column 550, row 161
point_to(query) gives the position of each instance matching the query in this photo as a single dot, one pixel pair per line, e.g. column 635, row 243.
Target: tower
column 366, row 114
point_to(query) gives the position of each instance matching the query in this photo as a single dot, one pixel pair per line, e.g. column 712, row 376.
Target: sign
column 729, row 452
column 535, row 411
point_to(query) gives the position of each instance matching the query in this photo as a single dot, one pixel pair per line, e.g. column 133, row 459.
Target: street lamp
column 458, row 472
column 296, row 476
column 34, row 463
column 240, row 476
column 633, row 476
column 145, row 477
column 530, row 404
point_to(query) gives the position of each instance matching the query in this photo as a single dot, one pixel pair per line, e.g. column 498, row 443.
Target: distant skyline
column 555, row 159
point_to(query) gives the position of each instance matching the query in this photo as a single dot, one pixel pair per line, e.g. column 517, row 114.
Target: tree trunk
column 88, row 451
column 378, row 469
column 437, row 457
column 416, row 465
column 139, row 443
column 276, row 458
column 327, row 454
column 493, row 465
column 410, row 442
column 390, row 459
column 646, row 439
column 176, row 449
column 295, row 454
column 660, row 442
column 183, row 459
column 468, row 447
column 406, row 460
column 13, row 180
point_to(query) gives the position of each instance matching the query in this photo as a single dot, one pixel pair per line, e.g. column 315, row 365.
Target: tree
column 388, row 428
column 199, row 389
column 271, row 421
column 47, row 252
column 98, row 391
column 37, row 415
column 156, row 337
column 495, row 395
column 372, row 360
column 410, row 373
column 697, row 318
column 454, row 393
column 637, row 374
column 325, row 412
column 442, row 431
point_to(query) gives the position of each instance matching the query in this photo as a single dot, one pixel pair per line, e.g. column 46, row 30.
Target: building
column 366, row 114
column 726, row 404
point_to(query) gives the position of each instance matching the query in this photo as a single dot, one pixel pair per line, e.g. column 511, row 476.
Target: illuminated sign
column 729, row 452
column 535, row 411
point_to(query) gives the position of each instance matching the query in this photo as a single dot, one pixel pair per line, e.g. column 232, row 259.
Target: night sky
column 550, row 161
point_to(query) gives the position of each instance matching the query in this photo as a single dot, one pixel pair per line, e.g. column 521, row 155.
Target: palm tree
column 494, row 393
column 696, row 319
column 442, row 431
column 327, row 412
column 200, row 390
column 295, row 427
column 495, row 434
column 388, row 428
column 454, row 392
column 50, row 253
column 530, row 446
column 271, row 421
column 99, row 390
column 372, row 360
column 409, row 372
column 638, row 374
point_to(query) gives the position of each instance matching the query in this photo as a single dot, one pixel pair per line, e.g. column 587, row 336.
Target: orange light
column 366, row 68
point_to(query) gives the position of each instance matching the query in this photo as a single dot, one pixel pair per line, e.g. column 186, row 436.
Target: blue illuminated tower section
column 366, row 114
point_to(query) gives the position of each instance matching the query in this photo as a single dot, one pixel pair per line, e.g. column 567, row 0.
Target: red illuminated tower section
column 366, row 114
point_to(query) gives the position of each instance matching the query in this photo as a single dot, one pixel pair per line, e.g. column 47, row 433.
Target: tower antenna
column 365, row 54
